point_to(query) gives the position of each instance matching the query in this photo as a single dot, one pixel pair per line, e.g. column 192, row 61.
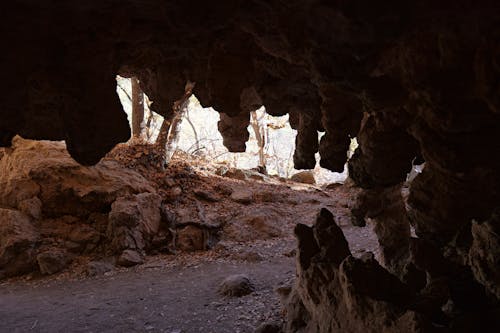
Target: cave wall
column 413, row 80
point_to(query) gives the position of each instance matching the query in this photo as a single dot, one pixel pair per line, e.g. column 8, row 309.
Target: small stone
column 129, row 258
column 242, row 196
column 98, row 267
column 53, row 261
column 236, row 174
column 305, row 177
column 236, row 285
column 176, row 191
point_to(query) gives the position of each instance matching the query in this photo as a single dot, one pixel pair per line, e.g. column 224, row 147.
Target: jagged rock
column 133, row 221
column 236, row 285
column 386, row 208
column 233, row 130
column 18, row 238
column 484, row 254
column 335, row 291
column 53, row 260
column 305, row 177
column 129, row 258
column 241, row 195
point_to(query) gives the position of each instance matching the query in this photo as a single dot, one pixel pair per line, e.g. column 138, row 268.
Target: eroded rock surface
column 335, row 291
column 56, row 209
column 18, row 240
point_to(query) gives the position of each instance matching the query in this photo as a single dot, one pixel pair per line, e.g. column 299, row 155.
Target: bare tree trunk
column 261, row 139
column 195, row 133
column 169, row 131
column 137, row 108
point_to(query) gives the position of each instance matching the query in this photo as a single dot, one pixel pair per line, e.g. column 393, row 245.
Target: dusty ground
column 178, row 292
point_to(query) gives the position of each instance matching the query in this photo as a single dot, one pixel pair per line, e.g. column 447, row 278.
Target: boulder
column 53, row 261
column 233, row 173
column 236, row 285
column 18, row 239
column 129, row 258
column 191, row 238
column 242, row 196
column 305, row 177
column 133, row 221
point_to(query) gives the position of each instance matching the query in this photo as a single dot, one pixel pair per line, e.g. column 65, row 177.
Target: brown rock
column 305, row 177
column 18, row 239
column 223, row 189
column 53, row 261
column 44, row 170
column 236, row 285
column 242, row 196
column 332, row 292
column 133, row 221
column 129, row 258
column 31, row 207
column 261, row 224
column 205, row 195
column 235, row 174
column 192, row 238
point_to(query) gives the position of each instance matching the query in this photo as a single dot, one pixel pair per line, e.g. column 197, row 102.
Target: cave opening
column 196, row 220
column 269, row 148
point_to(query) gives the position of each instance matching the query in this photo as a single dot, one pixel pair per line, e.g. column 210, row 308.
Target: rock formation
column 412, row 80
column 53, row 209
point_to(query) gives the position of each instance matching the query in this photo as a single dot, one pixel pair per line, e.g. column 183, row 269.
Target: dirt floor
column 178, row 292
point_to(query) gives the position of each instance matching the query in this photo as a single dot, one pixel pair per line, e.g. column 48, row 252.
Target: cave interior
column 413, row 81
